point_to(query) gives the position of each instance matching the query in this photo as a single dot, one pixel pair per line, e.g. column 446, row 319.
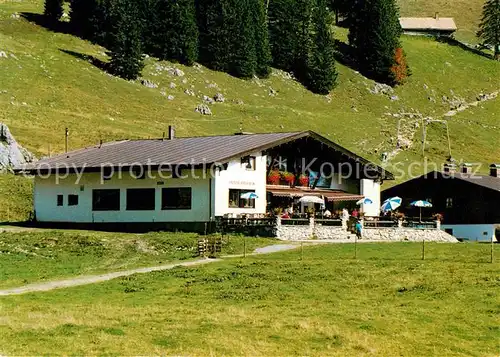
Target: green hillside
column 48, row 82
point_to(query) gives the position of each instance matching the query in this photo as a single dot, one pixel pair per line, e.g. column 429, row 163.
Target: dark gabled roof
column 191, row 151
column 489, row 182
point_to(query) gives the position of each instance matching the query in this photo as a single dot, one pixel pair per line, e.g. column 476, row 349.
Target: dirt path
column 92, row 279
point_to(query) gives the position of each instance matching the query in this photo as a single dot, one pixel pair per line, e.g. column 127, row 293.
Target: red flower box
column 288, row 177
column 304, row 181
column 273, row 178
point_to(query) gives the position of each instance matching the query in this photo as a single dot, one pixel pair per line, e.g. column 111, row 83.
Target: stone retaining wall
column 294, row 232
column 408, row 234
column 317, row 231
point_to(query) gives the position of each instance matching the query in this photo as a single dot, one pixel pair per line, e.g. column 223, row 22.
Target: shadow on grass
column 453, row 42
column 41, row 20
column 344, row 54
column 104, row 66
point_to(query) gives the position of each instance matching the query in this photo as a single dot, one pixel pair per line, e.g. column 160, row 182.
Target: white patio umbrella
column 391, row 204
column 421, row 204
column 311, row 199
column 249, row 195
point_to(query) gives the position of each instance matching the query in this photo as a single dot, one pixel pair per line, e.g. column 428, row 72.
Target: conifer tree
column 302, row 18
column 489, row 29
column 53, row 10
column 289, row 26
column 150, row 24
column 100, row 21
column 262, row 50
column 340, row 8
column 321, row 72
column 125, row 40
column 214, row 40
column 177, row 33
column 79, row 15
column 282, row 34
column 374, row 33
column 239, row 23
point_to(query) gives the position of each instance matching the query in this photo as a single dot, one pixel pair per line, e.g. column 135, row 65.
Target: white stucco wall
column 46, row 191
column 472, row 232
column 202, row 206
column 343, row 184
column 238, row 177
column 371, row 189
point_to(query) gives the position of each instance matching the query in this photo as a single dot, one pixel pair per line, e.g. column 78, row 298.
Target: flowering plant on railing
column 288, row 177
column 273, row 178
column 438, row 217
column 400, row 216
column 303, row 180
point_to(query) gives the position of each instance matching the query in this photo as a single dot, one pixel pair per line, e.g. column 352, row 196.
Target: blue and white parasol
column 391, row 204
column 364, row 201
column 421, row 204
column 249, row 196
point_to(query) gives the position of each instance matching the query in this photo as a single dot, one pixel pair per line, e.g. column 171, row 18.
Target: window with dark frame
column 60, row 200
column 72, row 200
column 141, row 199
column 106, row 200
column 235, row 200
column 449, row 202
column 249, row 163
column 176, row 198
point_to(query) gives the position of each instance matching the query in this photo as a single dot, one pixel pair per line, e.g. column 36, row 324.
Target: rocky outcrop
column 11, row 153
column 203, row 109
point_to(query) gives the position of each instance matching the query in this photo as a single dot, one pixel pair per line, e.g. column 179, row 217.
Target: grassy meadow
column 40, row 255
column 386, row 303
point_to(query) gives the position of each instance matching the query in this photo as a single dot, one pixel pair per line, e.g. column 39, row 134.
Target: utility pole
column 424, row 133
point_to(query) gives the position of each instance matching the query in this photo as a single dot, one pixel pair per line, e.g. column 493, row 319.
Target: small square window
column 176, row 198
column 60, row 200
column 248, row 162
column 72, row 200
column 236, row 201
column 449, row 202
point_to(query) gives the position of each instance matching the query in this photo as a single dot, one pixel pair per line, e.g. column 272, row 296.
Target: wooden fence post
column 491, row 249
column 356, row 246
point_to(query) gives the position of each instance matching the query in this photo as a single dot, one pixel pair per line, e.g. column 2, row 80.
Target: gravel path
column 92, row 279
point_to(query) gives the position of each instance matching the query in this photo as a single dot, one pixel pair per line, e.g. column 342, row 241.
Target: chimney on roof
column 466, row 168
column 449, row 168
column 495, row 170
column 436, row 15
column 171, row 132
